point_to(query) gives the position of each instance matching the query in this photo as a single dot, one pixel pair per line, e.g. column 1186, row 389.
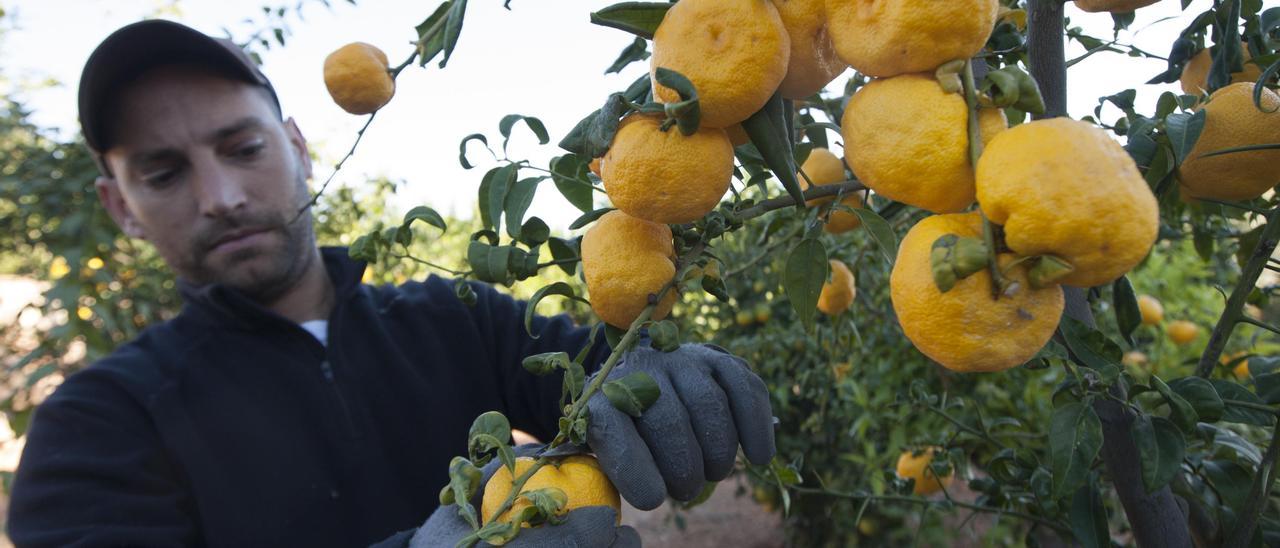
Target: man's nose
column 220, row 190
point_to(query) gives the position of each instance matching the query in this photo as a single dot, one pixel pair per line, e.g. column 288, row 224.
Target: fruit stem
column 930, row 503
column 971, row 101
column 993, row 263
column 820, row 191
column 336, row 168
column 1234, row 312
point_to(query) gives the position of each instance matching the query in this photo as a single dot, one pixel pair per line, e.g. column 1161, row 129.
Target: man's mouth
column 238, row 239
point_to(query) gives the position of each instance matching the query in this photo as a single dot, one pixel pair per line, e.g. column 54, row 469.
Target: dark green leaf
column 1144, row 438
column 715, row 286
column 1231, row 479
column 535, row 125
column 588, row 218
column 806, row 272
column 545, row 363
column 1267, row 385
column 1231, row 391
column 519, row 198
column 426, row 215
column 1201, row 395
column 364, row 249
column 881, row 232
column 1180, row 410
column 1172, row 449
column 632, row 53
column 564, row 250
column 453, row 28
column 1091, row 347
column 462, row 148
column 1089, row 517
column 633, row 393
column 558, row 288
column 534, row 232
column 489, row 262
column 767, row 129
column 1128, row 316
column 664, row 336
column 570, row 175
column 687, row 112
column 464, row 481
column 431, row 34
column 638, row 18
column 493, row 424
column 1075, row 437
column 1184, row 130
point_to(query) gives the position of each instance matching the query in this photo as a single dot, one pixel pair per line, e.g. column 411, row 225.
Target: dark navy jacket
column 232, row 426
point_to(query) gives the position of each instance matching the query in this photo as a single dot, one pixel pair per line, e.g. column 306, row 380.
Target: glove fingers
column 627, row 538
column 444, row 526
column 710, row 417
column 749, row 401
column 623, row 455
column 665, row 427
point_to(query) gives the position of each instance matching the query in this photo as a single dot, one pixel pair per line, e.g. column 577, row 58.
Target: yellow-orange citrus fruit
column 594, row 166
column 839, row 222
column 744, row 318
column 579, row 476
column 734, row 51
column 1151, row 309
column 814, row 62
column 1063, row 187
column 1195, row 75
column 1232, row 120
column 763, row 313
column 907, row 139
column 883, row 38
column 823, row 167
column 1134, row 358
column 1241, row 369
column 966, row 329
column 841, row 370
column 664, row 176
column 1182, row 332
column 358, row 79
column 1113, row 6
column 838, row 292
column 916, row 467
column 624, row 260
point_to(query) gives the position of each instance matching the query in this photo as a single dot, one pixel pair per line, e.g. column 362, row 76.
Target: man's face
column 205, row 170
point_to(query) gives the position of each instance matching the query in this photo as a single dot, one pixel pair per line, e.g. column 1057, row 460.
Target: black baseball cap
column 133, row 49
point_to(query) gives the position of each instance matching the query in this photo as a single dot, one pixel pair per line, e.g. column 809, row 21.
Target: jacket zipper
column 326, row 369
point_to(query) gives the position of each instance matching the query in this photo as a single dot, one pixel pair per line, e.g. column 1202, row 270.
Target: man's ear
column 299, row 144
column 109, row 194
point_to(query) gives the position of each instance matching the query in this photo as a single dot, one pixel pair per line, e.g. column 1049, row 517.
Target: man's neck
column 309, row 299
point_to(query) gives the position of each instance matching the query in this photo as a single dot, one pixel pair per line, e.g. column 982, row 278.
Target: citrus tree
column 984, row 308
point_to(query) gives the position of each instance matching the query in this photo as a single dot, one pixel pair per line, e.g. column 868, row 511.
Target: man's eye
column 249, row 151
column 161, row 178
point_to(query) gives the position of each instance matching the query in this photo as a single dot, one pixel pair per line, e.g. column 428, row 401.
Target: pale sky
column 543, row 58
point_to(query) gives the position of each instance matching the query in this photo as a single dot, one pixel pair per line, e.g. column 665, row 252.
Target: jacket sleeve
column 93, row 474
column 533, row 402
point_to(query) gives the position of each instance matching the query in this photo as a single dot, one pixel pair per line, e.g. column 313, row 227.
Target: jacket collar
column 222, row 304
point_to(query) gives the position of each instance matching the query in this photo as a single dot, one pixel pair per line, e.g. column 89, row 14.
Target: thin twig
column 917, row 500
column 1234, row 312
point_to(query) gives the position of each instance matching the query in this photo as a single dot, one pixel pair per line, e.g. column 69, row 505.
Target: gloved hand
column 710, row 402
column 588, row 527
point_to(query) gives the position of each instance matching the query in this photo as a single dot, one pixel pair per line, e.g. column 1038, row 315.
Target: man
column 288, row 404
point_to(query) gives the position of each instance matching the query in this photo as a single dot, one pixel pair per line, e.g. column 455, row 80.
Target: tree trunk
column 1155, row 518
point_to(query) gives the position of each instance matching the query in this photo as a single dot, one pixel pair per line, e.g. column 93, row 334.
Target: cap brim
column 128, row 52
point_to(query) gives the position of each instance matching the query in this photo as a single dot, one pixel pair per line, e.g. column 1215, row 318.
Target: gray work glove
column 710, row 401
column 587, row 527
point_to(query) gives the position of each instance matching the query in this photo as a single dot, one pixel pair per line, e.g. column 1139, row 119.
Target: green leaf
column 464, row 292
column 716, row 288
column 1180, row 410
column 807, row 270
column 575, row 378
column 1202, row 396
column 1173, row 446
column 489, row 262
column 548, row 501
column 588, row 218
column 1091, row 347
column 546, row 362
column 633, row 393
column 767, row 129
column 558, row 288
column 1184, row 130
column 1235, row 413
column 1075, row 437
column 492, row 423
column 426, row 215
column 464, row 481
column 533, row 233
column 535, row 125
column 364, row 249
column 518, row 200
column 570, row 175
column 635, row 52
column 431, row 33
column 881, row 232
column 462, row 148
column 1267, row 385
column 638, row 18
column 453, row 28
column 564, row 250
column 1128, row 316
column 1144, row 438
column 1231, row 479
column 664, row 336
column 687, row 112
column 1088, row 517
